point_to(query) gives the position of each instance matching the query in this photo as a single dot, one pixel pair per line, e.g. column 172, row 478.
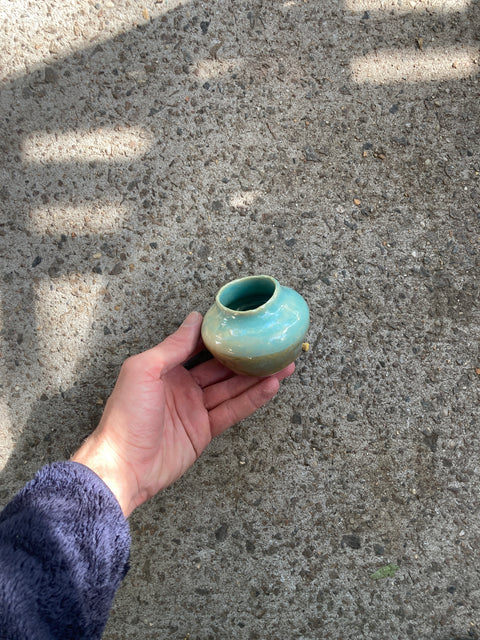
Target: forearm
column 97, row 455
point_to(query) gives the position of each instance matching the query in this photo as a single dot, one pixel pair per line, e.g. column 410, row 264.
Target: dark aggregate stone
column 117, row 269
column 221, row 533
column 51, row 76
column 351, row 541
column 310, row 154
column 250, row 547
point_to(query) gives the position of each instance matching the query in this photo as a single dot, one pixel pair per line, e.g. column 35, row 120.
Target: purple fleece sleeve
column 64, row 549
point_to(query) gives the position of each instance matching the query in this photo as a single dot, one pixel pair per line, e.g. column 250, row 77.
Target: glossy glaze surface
column 256, row 326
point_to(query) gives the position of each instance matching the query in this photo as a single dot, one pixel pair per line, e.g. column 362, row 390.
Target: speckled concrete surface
column 150, row 153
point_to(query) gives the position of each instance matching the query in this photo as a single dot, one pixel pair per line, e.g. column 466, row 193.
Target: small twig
column 271, row 130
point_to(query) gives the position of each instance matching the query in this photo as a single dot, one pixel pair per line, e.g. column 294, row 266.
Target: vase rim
column 249, row 312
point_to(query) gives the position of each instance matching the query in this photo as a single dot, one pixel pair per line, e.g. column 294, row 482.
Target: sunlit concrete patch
column 119, row 144
column 64, row 312
column 429, row 65
column 88, row 217
column 6, row 441
column 244, row 199
column 37, row 33
column 208, row 69
column 439, row 6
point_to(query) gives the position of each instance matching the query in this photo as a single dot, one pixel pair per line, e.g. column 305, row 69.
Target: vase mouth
column 247, row 295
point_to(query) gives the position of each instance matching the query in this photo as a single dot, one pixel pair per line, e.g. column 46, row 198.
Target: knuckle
column 131, row 364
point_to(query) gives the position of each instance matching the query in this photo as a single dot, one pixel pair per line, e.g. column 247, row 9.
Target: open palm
column 160, row 417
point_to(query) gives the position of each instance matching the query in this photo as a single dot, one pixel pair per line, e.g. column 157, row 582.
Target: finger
column 177, row 348
column 230, row 387
column 227, row 390
column 210, row 372
column 284, row 373
column 232, row 411
column 199, row 355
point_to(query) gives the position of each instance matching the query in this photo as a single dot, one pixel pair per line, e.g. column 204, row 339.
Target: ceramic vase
column 256, row 326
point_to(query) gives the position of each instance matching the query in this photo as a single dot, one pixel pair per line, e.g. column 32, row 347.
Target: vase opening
column 247, row 294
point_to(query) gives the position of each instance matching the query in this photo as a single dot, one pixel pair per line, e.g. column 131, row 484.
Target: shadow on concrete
column 160, row 77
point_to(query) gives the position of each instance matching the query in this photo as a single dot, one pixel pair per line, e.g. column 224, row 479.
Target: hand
column 160, row 417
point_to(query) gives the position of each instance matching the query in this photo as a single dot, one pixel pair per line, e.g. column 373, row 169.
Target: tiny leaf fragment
column 388, row 571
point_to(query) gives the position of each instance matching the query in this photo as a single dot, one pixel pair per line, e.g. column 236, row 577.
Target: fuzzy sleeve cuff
column 64, row 549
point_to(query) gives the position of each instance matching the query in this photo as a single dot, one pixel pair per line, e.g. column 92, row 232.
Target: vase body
column 256, row 326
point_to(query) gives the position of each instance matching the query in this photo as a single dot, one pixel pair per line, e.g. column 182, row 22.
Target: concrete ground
column 152, row 152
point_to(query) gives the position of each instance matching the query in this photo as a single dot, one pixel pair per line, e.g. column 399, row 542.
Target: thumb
column 179, row 346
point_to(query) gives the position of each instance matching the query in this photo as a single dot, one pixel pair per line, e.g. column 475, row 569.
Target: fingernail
column 191, row 319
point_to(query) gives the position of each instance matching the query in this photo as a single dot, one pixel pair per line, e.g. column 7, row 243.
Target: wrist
column 102, row 460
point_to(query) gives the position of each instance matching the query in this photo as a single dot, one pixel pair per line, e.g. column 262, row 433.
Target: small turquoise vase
column 256, row 326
